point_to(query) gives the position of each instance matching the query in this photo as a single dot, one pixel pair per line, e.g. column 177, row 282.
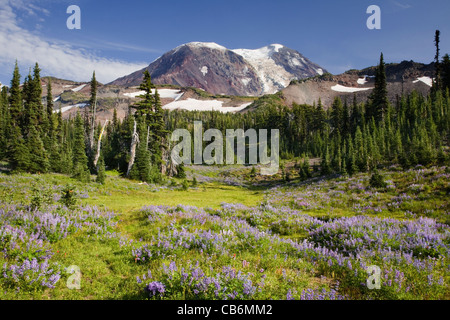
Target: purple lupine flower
column 153, row 288
column 289, row 295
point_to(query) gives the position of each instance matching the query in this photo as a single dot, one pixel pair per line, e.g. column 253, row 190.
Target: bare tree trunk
column 97, row 156
column 134, row 142
column 169, row 167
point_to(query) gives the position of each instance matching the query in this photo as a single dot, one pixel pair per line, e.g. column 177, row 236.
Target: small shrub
column 40, row 197
column 253, row 172
column 181, row 172
column 185, row 185
column 377, row 180
column 68, row 197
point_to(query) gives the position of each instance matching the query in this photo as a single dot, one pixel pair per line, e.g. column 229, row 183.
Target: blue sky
column 119, row 37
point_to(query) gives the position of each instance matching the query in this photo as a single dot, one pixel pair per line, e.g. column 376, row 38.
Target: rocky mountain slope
column 71, row 97
column 218, row 70
column 401, row 78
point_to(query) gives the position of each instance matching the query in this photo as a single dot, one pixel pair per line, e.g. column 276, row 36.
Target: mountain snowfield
column 67, row 108
column 79, row 87
column 202, row 105
column 189, row 104
column 341, row 88
column 163, row 94
column 274, row 76
column 427, row 80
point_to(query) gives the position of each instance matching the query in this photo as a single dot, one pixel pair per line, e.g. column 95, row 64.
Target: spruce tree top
column 145, row 106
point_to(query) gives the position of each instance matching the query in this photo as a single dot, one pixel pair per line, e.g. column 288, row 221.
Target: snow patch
column 295, row 63
column 427, row 80
column 319, row 71
column 163, row 94
column 202, row 105
column 246, row 81
column 261, row 53
column 209, row 45
column 276, row 47
column 362, row 81
column 67, row 108
column 340, row 88
column 57, row 98
column 204, row 70
column 79, row 88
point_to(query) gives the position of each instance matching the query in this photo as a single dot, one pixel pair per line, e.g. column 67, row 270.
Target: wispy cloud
column 118, row 46
column 55, row 58
column 401, row 5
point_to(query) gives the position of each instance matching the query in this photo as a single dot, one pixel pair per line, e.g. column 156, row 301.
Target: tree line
column 349, row 137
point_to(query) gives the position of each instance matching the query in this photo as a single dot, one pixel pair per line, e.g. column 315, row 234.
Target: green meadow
column 230, row 235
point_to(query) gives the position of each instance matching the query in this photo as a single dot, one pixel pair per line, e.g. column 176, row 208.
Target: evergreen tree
column 325, row 163
column 19, row 155
column 345, row 119
column 144, row 107
column 445, row 72
column 5, row 123
column 36, row 94
column 437, row 65
column 80, row 160
column 90, row 124
column 49, row 135
column 142, row 165
column 15, row 99
column 181, row 173
column 319, row 117
column 337, row 115
column 378, row 98
column 38, row 156
column 158, row 133
column 65, row 162
column 305, row 168
column 101, row 174
column 49, row 108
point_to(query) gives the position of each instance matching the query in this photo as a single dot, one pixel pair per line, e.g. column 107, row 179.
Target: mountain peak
column 218, row 70
column 209, row 45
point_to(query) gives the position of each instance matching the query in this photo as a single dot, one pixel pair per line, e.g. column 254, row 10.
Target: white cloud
column 401, row 5
column 55, row 58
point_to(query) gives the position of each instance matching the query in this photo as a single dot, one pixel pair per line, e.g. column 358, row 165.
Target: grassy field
column 230, row 236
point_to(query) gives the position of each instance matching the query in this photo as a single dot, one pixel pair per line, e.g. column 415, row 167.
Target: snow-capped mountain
column 218, row 70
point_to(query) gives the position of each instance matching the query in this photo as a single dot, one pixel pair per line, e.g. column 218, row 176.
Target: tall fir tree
column 337, row 115
column 144, row 115
column 39, row 162
column 5, row 123
column 19, row 156
column 15, row 99
column 36, row 95
column 378, row 100
column 101, row 174
column 90, row 124
column 80, row 160
column 142, row 167
column 437, row 65
column 157, row 137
